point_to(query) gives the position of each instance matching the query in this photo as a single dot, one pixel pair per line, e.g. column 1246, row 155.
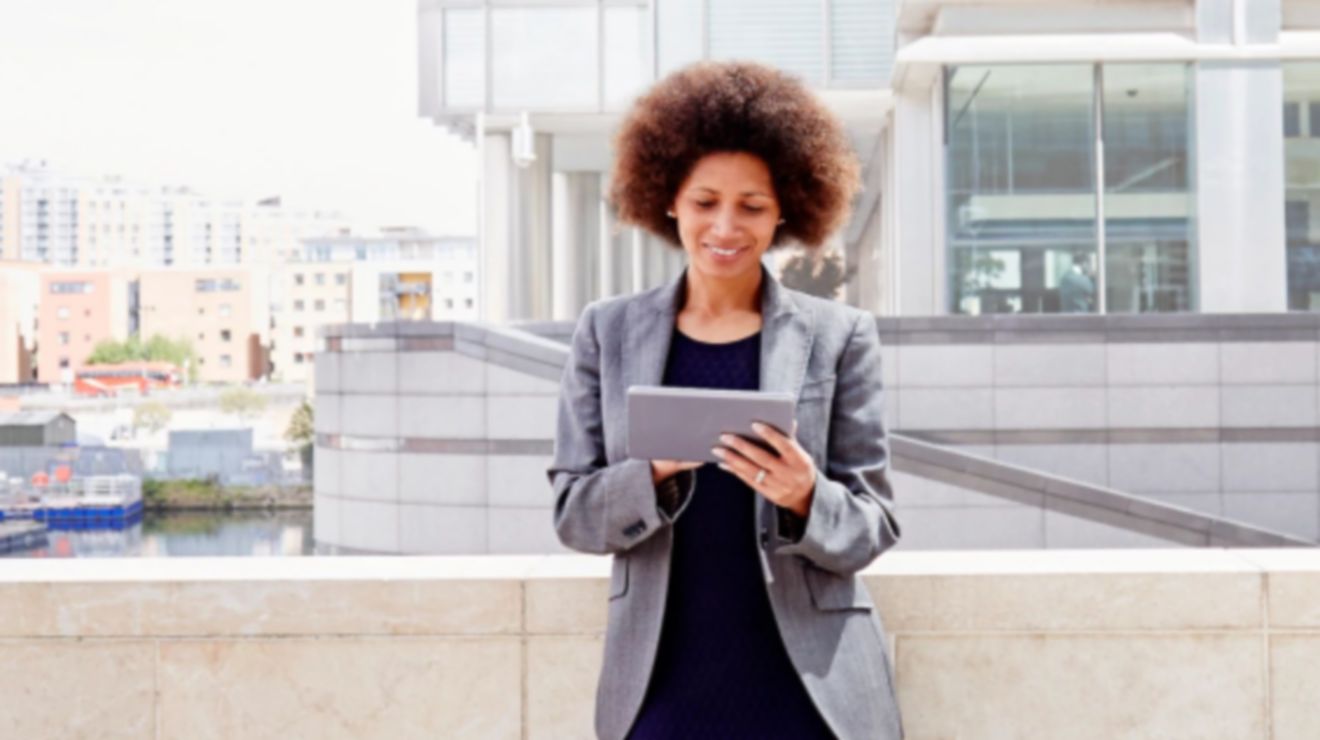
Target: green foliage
column 155, row 349
column 244, row 403
column 301, row 430
column 817, row 273
column 152, row 416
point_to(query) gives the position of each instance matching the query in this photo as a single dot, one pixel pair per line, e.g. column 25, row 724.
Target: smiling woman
column 735, row 608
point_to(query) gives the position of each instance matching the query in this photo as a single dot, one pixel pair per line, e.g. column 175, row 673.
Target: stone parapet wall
column 1133, row 643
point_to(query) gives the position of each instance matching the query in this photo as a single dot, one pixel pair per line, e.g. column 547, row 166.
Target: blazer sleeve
column 599, row 507
column 851, row 518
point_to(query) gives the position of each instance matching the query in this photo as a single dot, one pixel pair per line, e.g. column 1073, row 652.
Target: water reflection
column 189, row 534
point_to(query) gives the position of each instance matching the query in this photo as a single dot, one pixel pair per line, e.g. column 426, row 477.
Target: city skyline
column 236, row 101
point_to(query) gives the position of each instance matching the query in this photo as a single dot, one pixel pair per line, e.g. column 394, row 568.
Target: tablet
column 668, row 423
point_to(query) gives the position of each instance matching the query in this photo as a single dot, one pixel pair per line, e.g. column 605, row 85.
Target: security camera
column 524, row 142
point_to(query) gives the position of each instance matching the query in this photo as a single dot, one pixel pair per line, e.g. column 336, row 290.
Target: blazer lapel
column 649, row 330
column 786, row 339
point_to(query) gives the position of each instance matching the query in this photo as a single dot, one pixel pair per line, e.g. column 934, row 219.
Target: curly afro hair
column 735, row 107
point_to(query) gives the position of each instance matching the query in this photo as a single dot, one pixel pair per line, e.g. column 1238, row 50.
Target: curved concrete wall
column 423, row 446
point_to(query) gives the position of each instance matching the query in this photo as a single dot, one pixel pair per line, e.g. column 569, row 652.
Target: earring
column 781, row 222
column 669, row 214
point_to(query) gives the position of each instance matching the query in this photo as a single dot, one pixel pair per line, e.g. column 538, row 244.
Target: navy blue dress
column 721, row 669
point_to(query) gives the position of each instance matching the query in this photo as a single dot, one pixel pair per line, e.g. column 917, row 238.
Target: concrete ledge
column 1153, row 643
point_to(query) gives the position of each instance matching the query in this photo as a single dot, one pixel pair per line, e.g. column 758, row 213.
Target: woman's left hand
column 790, row 477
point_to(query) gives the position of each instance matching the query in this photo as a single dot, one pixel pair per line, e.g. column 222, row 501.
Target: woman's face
column 727, row 214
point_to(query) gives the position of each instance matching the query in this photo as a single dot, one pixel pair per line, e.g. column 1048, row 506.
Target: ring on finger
column 760, row 476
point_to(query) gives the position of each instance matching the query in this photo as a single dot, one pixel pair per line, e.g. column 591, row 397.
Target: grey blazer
column 828, row 354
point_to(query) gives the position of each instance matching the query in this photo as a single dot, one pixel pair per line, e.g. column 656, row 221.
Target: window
column 465, row 58
column 66, row 287
column 226, row 361
column 297, row 331
column 225, row 335
column 64, row 337
column 467, row 303
column 64, row 362
column 225, row 310
column 212, row 285
column 1292, row 120
column 320, row 278
column 341, row 279
column 320, row 304
column 467, row 277
column 341, row 305
column 449, row 303
column 1024, row 161
column 532, row 69
column 297, row 358
column 62, row 312
column 298, row 278
column 1301, row 86
column 298, row 305
column 785, row 33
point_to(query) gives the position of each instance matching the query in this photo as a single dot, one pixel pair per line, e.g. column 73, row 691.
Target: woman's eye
column 754, row 209
column 705, row 203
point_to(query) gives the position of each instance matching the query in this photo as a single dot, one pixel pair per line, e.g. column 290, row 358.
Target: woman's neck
column 715, row 297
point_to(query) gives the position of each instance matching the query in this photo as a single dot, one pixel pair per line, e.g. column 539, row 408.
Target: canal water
column 189, row 534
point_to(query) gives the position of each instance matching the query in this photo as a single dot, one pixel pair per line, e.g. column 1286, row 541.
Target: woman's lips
column 725, row 255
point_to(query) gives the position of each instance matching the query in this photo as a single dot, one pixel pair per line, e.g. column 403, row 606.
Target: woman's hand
column 790, row 476
column 662, row 469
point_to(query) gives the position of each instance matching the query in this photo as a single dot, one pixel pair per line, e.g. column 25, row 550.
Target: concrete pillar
column 918, row 201
column 576, row 245
column 1242, row 257
column 495, row 240
column 515, row 239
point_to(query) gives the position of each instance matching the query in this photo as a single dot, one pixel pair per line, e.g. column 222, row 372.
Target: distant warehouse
column 37, row 429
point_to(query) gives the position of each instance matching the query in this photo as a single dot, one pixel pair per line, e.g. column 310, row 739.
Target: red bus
column 110, row 380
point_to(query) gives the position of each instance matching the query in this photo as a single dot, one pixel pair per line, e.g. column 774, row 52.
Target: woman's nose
column 725, row 223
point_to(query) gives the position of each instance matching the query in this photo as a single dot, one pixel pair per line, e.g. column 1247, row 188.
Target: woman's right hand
column 662, row 469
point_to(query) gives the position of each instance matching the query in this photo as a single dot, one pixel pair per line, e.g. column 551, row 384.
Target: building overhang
column 858, row 108
column 919, row 63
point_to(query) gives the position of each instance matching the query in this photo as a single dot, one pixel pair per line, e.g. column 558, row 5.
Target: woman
column 735, row 609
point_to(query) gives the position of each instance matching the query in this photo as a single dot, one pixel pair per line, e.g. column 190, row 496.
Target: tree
column 816, row 272
column 302, row 429
column 152, row 416
column 242, row 402
column 302, row 432
column 156, row 349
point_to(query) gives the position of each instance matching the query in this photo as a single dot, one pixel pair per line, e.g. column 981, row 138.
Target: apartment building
column 223, row 312
column 20, row 286
column 77, row 309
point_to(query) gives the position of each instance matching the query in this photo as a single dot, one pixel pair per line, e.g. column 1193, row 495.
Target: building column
column 576, row 244
column 516, row 260
column 1242, row 242
column 918, row 201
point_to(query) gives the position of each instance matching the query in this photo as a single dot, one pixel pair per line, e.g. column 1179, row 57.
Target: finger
column 755, row 454
column 774, row 437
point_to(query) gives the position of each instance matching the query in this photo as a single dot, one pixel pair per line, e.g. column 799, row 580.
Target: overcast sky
column 314, row 100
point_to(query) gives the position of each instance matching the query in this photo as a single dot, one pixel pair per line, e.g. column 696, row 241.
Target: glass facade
column 1027, row 220
column 1301, row 149
column 585, row 55
column 532, row 67
column 1149, row 182
column 1021, row 188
